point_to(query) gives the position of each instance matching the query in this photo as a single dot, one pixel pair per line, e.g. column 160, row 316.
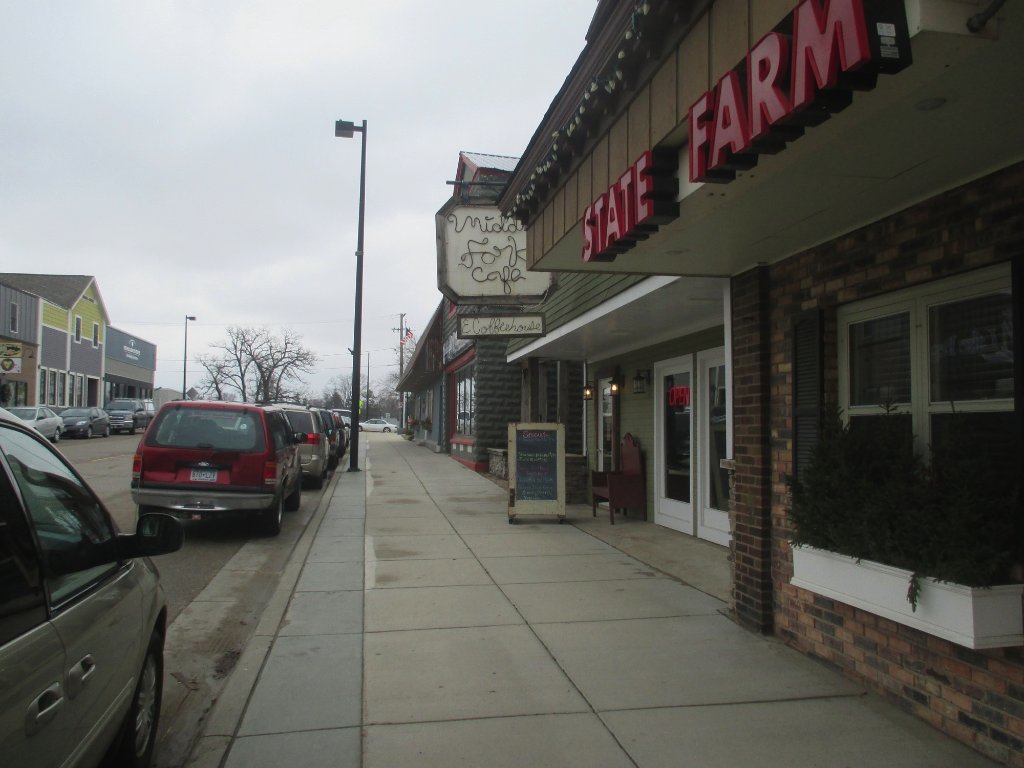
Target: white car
column 377, row 425
column 45, row 421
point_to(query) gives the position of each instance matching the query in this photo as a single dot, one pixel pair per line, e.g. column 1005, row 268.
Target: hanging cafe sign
column 795, row 77
column 488, row 325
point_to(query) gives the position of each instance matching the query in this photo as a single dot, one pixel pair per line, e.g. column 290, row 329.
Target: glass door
column 712, row 413
column 605, row 425
column 674, row 431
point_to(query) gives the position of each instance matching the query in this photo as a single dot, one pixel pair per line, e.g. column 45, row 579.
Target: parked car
column 336, row 437
column 85, row 422
column 82, row 615
column 42, row 419
column 128, row 415
column 377, row 425
column 313, row 450
column 202, row 460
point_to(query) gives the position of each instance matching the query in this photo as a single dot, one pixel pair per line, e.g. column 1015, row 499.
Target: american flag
column 408, row 335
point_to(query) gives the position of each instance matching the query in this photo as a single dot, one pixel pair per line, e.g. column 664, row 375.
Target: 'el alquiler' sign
column 536, row 464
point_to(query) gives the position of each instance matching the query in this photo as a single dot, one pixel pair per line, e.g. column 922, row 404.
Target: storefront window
column 880, row 361
column 51, row 388
column 939, row 358
column 465, row 383
column 62, row 388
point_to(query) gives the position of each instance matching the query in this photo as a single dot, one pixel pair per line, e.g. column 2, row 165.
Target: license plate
column 203, row 476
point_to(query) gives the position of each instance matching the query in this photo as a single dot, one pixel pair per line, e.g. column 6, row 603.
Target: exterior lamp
column 345, row 129
column 588, row 392
column 640, row 382
column 615, row 388
column 184, row 362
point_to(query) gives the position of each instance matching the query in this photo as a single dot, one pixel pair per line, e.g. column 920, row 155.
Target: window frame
column 917, row 302
column 78, row 329
column 12, row 320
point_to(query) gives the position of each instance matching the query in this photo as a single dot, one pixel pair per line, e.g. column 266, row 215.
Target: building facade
column 797, row 207
column 71, row 331
column 130, row 366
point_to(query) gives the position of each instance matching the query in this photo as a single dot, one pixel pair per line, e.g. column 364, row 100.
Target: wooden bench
column 623, row 489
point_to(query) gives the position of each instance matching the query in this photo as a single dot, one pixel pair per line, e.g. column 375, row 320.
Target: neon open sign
column 678, row 397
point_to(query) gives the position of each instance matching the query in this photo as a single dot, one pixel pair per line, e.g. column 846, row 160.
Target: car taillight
column 270, row 473
column 137, row 466
column 313, row 438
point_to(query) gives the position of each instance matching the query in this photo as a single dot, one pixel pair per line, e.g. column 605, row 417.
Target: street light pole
column 184, row 363
column 346, row 129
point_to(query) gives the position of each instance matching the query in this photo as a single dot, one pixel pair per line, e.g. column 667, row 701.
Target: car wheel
column 294, row 499
column 88, row 432
column 106, row 431
column 131, row 429
column 360, row 427
column 270, row 519
column 318, row 481
column 386, row 429
column 56, row 435
column 138, row 734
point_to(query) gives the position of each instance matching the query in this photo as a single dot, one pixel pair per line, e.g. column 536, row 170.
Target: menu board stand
column 536, row 469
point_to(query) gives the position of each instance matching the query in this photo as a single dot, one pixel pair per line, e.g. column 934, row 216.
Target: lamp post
column 346, row 129
column 184, row 363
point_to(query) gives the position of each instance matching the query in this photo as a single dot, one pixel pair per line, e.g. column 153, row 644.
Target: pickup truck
column 128, row 415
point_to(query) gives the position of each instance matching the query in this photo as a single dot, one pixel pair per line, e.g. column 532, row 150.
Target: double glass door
column 691, row 415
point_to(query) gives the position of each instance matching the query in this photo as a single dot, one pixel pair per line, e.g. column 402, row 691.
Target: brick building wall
column 498, row 387
column 976, row 696
column 751, row 535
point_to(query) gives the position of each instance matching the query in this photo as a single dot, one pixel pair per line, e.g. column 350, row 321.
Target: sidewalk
column 416, row 627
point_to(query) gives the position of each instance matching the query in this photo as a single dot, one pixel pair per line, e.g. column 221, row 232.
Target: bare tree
column 338, row 392
column 258, row 365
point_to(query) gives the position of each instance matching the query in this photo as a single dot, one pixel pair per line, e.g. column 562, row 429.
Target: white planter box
column 976, row 618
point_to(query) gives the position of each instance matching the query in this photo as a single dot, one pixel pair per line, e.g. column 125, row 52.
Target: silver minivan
column 82, row 616
column 314, row 450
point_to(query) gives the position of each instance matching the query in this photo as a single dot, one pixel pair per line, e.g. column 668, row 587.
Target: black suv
column 128, row 415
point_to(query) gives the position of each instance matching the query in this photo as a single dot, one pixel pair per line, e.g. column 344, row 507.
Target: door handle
column 80, row 674
column 43, row 709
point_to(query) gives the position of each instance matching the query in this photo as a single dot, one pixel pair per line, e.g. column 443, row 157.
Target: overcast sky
column 183, row 153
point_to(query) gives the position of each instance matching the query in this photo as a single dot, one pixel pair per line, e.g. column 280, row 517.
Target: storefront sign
column 477, row 326
column 10, row 357
column 536, row 469
column 679, row 397
column 633, row 207
column 795, row 76
column 482, row 257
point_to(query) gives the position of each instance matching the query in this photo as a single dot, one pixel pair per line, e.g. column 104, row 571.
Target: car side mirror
column 155, row 534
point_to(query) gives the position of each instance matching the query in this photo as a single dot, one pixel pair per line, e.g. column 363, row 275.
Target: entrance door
column 712, row 446
column 605, row 425
column 673, row 433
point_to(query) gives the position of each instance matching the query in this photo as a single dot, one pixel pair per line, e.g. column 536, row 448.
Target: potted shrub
column 877, row 527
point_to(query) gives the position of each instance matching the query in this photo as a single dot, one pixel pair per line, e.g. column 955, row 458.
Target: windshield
column 121, row 405
column 23, row 413
column 75, row 412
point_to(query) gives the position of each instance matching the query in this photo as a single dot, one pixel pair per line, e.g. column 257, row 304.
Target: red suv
column 207, row 459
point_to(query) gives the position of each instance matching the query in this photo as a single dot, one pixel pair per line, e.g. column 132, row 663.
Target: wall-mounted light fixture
column 588, row 392
column 615, row 388
column 640, row 381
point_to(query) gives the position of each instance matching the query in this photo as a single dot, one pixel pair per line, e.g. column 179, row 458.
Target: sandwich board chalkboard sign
column 536, row 469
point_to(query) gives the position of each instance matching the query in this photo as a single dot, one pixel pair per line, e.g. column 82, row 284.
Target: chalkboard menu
column 537, row 465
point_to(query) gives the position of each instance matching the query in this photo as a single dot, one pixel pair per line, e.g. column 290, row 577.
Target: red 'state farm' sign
column 795, row 76
column 633, row 207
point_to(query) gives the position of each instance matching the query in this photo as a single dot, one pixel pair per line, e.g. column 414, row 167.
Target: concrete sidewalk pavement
column 416, row 627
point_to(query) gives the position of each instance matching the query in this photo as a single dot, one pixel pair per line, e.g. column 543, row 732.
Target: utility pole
column 401, row 365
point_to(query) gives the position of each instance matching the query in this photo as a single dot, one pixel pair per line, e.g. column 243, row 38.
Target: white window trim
column 916, row 301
